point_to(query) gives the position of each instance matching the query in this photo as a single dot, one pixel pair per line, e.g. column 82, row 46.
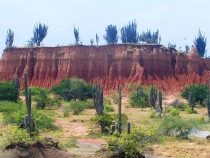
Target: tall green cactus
column 98, row 99
column 119, row 110
column 208, row 98
column 29, row 122
column 153, row 96
column 191, row 100
column 140, row 93
column 161, row 101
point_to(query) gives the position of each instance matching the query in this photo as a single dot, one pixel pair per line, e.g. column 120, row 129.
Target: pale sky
column 178, row 21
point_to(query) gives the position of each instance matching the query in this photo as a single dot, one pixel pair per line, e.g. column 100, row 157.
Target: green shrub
column 35, row 91
column 17, row 136
column 190, row 111
column 153, row 113
column 108, row 105
column 74, row 88
column 66, row 110
column 198, row 91
column 174, row 112
column 136, row 101
column 8, row 91
column 181, row 106
column 105, row 121
column 76, row 107
column 176, row 126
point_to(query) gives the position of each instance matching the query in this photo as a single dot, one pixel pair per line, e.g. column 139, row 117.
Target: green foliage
column 176, row 126
column 17, row 136
column 153, row 114
column 111, row 34
column 8, row 91
column 174, row 112
column 73, row 88
column 35, row 91
column 200, row 43
column 129, row 33
column 139, row 101
column 105, row 121
column 130, row 145
column 198, row 92
column 180, row 105
column 190, row 110
column 171, row 46
column 31, row 42
column 43, row 100
column 150, row 37
column 40, row 32
column 108, row 105
column 77, row 107
column 153, row 96
column 76, row 35
column 15, row 112
column 9, row 39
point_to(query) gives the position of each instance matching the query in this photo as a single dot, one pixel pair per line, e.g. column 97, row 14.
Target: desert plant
column 176, row 126
column 129, row 33
column 153, row 96
column 9, row 39
column 190, row 110
column 8, row 91
column 149, row 37
column 73, row 88
column 200, row 43
column 76, row 107
column 97, row 39
column 198, row 93
column 98, row 99
column 111, row 34
column 40, row 32
column 36, row 91
column 76, row 35
column 108, row 106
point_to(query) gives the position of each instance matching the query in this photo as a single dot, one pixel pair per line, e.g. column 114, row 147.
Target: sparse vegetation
column 111, row 36
column 40, row 32
column 9, row 39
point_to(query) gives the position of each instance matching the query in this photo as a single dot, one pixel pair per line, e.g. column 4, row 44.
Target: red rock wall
column 113, row 65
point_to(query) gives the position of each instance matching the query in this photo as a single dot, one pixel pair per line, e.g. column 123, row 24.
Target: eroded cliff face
column 113, row 65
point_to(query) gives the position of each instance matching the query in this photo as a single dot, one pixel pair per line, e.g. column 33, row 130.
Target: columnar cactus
column 140, row 94
column 29, row 122
column 191, row 100
column 119, row 110
column 160, row 101
column 98, row 99
column 208, row 98
column 153, row 96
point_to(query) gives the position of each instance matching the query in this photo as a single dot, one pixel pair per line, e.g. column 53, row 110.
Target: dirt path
column 72, row 128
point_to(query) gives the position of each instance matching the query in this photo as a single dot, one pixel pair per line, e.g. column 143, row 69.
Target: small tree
column 170, row 46
column 187, row 48
column 76, row 35
column 9, row 39
column 129, row 33
column 40, row 32
column 200, row 43
column 150, row 37
column 31, row 42
column 111, row 34
column 97, row 39
column 91, row 42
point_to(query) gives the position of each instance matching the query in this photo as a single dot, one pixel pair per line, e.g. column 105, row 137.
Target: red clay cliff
column 113, row 65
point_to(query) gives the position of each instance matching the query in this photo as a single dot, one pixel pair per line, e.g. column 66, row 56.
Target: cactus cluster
column 98, row 99
column 153, row 96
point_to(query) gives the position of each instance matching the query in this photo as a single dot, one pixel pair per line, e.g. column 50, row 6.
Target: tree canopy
column 150, row 37
column 40, row 32
column 200, row 43
column 129, row 33
column 111, row 34
column 9, row 38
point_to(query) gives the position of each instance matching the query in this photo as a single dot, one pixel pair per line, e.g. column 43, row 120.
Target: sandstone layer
column 112, row 65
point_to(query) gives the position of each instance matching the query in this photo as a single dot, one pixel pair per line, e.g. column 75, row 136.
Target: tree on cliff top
column 40, row 32
column 9, row 39
column 129, row 33
column 200, row 43
column 150, row 37
column 111, row 34
column 76, row 35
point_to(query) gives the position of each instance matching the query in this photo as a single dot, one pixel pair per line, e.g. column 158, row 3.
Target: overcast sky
column 178, row 21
